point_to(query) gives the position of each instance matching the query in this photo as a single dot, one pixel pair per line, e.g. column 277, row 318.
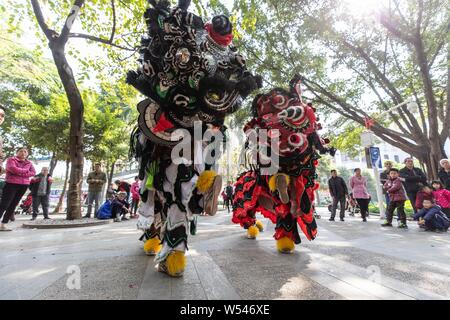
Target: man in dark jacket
column 229, row 193
column 40, row 186
column 96, row 179
column 444, row 173
column 339, row 192
column 413, row 179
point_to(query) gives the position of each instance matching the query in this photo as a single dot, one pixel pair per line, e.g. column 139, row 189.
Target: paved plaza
column 348, row 260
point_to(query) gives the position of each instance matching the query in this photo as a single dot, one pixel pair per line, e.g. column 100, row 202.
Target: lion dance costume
column 285, row 197
column 190, row 73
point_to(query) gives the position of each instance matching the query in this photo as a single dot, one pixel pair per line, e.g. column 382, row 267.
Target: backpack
column 105, row 210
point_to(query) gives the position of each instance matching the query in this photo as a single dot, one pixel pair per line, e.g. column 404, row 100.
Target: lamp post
column 368, row 141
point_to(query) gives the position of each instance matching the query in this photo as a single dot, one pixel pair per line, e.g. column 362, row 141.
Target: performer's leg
column 286, row 233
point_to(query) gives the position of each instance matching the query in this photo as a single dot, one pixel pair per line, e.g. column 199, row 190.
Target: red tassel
column 163, row 124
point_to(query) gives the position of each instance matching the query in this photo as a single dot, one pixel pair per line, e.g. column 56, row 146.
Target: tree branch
column 74, row 11
column 387, row 23
column 113, row 31
column 411, row 86
column 385, row 134
column 97, row 39
column 49, row 33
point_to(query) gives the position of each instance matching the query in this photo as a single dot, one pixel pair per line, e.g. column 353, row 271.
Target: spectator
column 124, row 186
column 442, row 197
column 229, row 194
column 19, row 170
column 224, row 197
column 358, row 183
column 444, row 173
column 432, row 218
column 2, row 118
column 120, row 207
column 96, row 179
column 111, row 191
column 426, row 193
column 414, row 179
column 338, row 192
column 135, row 196
column 40, row 190
column 397, row 199
column 384, row 177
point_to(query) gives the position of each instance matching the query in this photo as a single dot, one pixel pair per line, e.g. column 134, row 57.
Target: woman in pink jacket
column 135, row 197
column 358, row 183
column 442, row 197
column 19, row 170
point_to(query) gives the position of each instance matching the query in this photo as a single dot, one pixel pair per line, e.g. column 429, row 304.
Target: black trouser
column 134, row 206
column 227, row 204
column 334, row 207
column 412, row 197
column 37, row 201
column 363, row 206
column 12, row 193
column 400, row 206
column 117, row 211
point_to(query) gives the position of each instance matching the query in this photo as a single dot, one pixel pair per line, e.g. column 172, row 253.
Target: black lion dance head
column 189, row 70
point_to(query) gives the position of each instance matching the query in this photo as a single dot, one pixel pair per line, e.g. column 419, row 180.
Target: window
column 386, row 157
column 396, row 158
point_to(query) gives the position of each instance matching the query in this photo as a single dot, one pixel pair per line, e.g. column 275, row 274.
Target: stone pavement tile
column 405, row 272
column 183, row 291
column 267, row 277
column 362, row 280
column 111, row 279
column 215, row 285
column 155, row 285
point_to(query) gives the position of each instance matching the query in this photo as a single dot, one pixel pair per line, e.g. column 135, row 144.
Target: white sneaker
column 3, row 227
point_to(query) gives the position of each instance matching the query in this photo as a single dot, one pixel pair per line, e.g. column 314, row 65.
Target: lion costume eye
column 296, row 113
column 296, row 140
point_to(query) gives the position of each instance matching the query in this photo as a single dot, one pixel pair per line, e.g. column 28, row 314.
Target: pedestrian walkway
column 348, row 260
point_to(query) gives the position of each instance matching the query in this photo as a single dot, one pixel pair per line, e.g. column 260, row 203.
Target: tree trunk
column 53, row 163
column 110, row 176
column 58, row 208
column 76, row 132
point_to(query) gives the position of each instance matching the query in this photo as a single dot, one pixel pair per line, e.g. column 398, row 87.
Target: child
column 394, row 188
column 426, row 193
column 120, row 207
column 432, row 218
column 442, row 197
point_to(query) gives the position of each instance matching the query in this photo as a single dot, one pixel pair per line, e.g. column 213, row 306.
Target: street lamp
column 373, row 153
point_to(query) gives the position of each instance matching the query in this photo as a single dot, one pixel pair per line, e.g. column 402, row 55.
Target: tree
column 28, row 84
column 109, row 120
column 348, row 60
column 91, row 21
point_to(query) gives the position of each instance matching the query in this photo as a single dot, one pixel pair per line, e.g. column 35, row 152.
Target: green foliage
column 30, row 90
column 108, row 120
column 38, row 111
column 348, row 139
